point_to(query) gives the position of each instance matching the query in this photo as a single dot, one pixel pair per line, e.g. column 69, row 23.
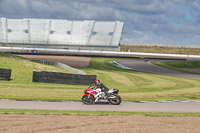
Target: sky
column 145, row 21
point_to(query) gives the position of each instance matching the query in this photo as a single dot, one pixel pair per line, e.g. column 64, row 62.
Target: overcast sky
column 148, row 21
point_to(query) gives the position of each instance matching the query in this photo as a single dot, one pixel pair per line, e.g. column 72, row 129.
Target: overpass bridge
column 22, row 50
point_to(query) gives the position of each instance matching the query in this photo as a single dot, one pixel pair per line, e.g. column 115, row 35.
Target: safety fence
column 5, row 74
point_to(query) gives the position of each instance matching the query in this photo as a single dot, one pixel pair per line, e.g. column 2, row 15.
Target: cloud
column 161, row 21
column 10, row 7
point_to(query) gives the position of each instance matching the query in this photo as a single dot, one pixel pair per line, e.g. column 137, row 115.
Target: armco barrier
column 5, row 74
column 61, row 65
column 62, row 78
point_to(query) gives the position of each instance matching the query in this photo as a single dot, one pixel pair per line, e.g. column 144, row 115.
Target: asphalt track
column 141, row 65
column 187, row 107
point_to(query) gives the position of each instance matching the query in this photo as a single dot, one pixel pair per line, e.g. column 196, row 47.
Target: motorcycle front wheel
column 87, row 100
column 115, row 99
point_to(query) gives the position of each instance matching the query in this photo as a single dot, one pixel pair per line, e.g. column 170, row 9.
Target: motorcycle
column 92, row 96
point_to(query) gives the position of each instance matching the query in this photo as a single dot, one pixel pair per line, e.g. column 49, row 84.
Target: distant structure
column 54, row 33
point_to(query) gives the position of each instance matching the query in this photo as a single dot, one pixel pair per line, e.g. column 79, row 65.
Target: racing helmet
column 97, row 83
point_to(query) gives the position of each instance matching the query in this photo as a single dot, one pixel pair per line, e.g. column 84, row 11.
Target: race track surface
column 73, row 61
column 140, row 65
column 124, row 106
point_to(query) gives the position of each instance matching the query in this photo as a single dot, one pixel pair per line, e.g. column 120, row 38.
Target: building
column 67, row 34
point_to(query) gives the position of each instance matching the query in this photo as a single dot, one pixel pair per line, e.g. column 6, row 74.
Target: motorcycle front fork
column 96, row 99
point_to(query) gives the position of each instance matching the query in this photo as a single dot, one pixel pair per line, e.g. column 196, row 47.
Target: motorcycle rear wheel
column 115, row 101
column 87, row 100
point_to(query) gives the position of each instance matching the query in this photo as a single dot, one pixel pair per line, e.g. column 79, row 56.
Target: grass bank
column 92, row 113
column 138, row 86
column 156, row 49
column 21, row 85
column 182, row 66
column 22, row 69
column 133, row 85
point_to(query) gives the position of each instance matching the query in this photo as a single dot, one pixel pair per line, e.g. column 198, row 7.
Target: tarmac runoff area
column 141, row 65
column 162, row 106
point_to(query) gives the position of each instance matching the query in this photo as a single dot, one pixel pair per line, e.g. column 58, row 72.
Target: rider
column 100, row 89
column 98, row 84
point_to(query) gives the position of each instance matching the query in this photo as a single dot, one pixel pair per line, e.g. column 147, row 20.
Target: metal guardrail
column 64, row 66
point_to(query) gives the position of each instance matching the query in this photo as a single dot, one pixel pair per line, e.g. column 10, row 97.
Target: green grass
column 139, row 86
column 92, row 113
column 133, row 85
column 22, row 87
column 181, row 66
column 22, row 69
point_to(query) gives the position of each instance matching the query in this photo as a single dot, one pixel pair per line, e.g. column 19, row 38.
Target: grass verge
column 182, row 66
column 164, row 50
column 92, row 113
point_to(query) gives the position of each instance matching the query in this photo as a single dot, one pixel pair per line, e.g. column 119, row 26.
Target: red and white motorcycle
column 92, row 96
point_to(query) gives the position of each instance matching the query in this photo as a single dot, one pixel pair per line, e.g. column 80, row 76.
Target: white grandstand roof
column 60, row 32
